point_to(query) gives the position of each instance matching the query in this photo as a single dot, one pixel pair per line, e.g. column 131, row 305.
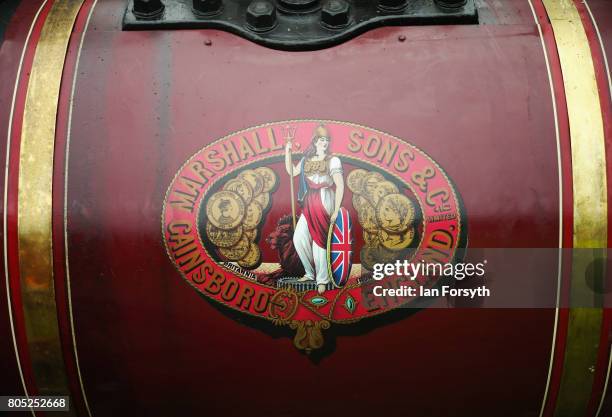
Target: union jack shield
column 340, row 248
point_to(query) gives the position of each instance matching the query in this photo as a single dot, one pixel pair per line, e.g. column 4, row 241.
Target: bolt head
column 261, row 16
column 450, row 4
column 335, row 13
column 298, row 6
column 391, row 5
column 147, row 8
column 207, row 7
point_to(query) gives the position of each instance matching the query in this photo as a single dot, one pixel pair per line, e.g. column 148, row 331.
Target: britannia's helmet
column 321, row 132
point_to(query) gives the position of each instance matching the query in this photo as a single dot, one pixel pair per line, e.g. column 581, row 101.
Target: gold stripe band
column 34, row 195
column 590, row 204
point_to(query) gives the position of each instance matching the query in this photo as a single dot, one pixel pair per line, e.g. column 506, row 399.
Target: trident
column 289, row 134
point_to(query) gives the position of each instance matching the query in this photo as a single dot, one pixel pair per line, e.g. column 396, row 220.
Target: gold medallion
column 371, row 181
column 371, row 239
column 254, row 214
column 263, row 199
column 360, row 202
column 383, row 189
column 252, row 259
column 223, row 238
column 396, row 241
column 354, row 180
column 367, row 218
column 225, row 210
column 240, row 187
column 269, row 178
column 395, row 212
column 255, row 181
column 238, row 251
column 251, row 234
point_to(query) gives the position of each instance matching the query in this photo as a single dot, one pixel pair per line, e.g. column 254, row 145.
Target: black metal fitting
column 335, row 14
column 450, row 4
column 261, row 16
column 295, row 25
column 392, row 5
column 298, row 6
column 207, row 7
column 148, row 9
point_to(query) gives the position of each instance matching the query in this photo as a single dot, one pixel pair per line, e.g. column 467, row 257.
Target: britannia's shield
column 340, row 248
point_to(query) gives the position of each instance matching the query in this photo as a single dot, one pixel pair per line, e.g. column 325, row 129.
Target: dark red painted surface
column 603, row 16
column 475, row 98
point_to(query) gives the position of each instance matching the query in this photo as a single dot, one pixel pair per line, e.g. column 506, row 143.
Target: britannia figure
column 320, row 192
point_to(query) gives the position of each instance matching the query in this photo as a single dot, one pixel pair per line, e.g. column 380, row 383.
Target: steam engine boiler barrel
column 217, row 207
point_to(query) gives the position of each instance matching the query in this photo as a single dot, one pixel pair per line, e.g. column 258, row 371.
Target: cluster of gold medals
column 235, row 215
column 386, row 216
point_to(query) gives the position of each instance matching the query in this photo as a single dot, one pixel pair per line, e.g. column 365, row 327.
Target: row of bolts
column 261, row 14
